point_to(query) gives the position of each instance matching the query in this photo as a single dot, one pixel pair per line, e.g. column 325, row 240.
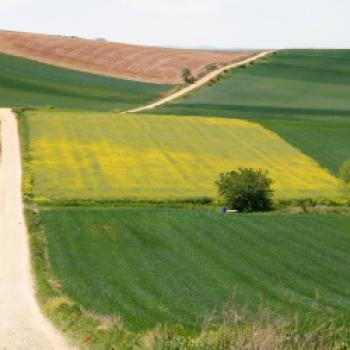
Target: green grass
column 28, row 83
column 174, row 266
column 303, row 95
column 293, row 84
column 327, row 141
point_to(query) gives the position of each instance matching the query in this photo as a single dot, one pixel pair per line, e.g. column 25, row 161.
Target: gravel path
column 22, row 326
column 199, row 83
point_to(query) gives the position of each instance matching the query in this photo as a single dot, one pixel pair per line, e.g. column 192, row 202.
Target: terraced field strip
column 28, row 83
column 104, row 156
column 159, row 265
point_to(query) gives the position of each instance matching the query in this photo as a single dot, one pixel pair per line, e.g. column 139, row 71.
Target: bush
column 246, row 189
column 344, row 172
column 211, row 67
column 187, row 76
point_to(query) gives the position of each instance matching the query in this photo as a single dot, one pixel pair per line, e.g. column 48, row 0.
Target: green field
column 156, row 265
column 105, row 156
column 326, row 141
column 301, row 94
column 175, row 266
column 292, row 84
column 28, row 83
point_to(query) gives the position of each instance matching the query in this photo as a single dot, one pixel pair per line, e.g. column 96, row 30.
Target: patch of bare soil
column 142, row 63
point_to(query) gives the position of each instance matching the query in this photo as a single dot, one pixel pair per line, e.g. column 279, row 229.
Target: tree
column 187, row 76
column 246, row 189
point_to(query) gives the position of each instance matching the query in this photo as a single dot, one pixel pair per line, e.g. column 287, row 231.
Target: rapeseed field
column 105, row 156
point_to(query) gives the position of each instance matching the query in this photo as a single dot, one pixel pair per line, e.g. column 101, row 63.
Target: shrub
column 211, row 67
column 344, row 172
column 187, row 76
column 246, row 189
column 306, row 203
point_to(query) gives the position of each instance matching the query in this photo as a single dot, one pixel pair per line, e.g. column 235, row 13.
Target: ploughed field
column 28, row 83
column 104, row 156
column 135, row 62
column 176, row 266
column 303, row 95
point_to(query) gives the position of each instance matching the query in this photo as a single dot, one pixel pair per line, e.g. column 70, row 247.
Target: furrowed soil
column 141, row 63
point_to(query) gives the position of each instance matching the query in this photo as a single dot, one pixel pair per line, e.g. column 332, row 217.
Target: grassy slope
column 104, row 156
column 25, row 82
column 176, row 266
column 328, row 142
column 294, row 93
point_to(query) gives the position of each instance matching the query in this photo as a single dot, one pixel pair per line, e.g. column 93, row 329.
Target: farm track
column 22, row 326
column 199, row 83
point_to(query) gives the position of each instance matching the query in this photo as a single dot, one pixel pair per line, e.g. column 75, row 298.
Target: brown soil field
column 142, row 63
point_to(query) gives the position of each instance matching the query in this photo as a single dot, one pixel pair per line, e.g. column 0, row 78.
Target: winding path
column 199, row 83
column 22, row 326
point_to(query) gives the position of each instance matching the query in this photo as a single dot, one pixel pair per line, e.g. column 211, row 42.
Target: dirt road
column 22, row 325
column 199, row 83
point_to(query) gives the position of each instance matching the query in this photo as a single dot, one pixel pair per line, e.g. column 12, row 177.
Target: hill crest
column 125, row 61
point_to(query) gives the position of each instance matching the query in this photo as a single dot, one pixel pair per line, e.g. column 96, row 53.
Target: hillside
column 25, row 82
column 303, row 95
column 298, row 84
column 142, row 63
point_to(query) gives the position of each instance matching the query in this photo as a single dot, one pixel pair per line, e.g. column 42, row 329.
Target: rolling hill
column 25, row 82
column 115, row 202
column 303, row 95
column 132, row 62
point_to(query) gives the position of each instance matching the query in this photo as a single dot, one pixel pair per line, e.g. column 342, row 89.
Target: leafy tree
column 246, row 189
column 187, row 76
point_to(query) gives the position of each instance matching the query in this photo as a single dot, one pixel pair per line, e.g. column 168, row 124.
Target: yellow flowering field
column 100, row 156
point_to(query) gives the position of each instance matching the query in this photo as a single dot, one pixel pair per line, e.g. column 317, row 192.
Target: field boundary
column 199, row 83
